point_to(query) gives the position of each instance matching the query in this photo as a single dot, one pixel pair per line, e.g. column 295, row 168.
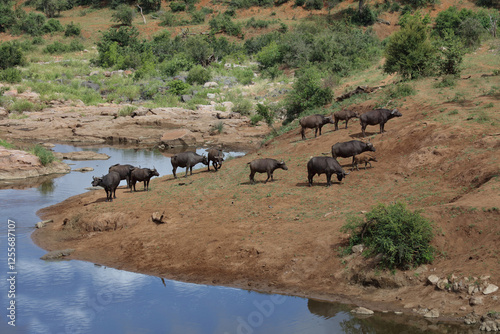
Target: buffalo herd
column 359, row 151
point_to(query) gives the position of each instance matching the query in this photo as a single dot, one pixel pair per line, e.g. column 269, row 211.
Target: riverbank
column 285, row 237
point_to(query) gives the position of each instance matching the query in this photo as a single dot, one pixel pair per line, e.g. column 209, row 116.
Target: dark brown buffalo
column 216, row 156
column 109, row 182
column 123, row 170
column 315, row 122
column 142, row 174
column 344, row 115
column 324, row 165
column 265, row 166
column 377, row 116
column 351, row 148
column 188, row 160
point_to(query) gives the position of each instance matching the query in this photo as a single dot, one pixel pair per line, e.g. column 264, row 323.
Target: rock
column 91, row 85
column 442, row 284
column 83, row 169
column 362, row 310
column 211, row 96
column 178, row 137
column 82, row 155
column 186, row 98
column 490, row 289
column 489, row 326
column 43, row 223
column 433, row 279
column 57, row 254
column 157, row 217
column 434, row 313
column 210, row 84
column 398, row 312
column 470, row 319
column 358, row 248
column 3, row 113
column 475, row 301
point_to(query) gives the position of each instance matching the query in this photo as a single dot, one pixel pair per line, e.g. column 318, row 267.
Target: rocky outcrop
column 176, row 138
column 57, row 254
column 16, row 164
column 81, row 155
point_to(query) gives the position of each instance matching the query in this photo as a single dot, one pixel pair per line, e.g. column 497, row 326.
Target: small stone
column 39, row 225
column 470, row 289
column 398, row 312
column 362, row 310
column 442, row 284
column 463, row 308
column 358, row 248
column 490, row 289
column 157, row 217
column 475, row 301
column 434, row 313
column 433, row 279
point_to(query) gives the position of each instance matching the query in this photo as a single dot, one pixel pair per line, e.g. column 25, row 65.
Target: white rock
column 210, row 84
column 433, row 279
column 490, row 289
column 358, row 248
column 361, row 310
column 432, row 314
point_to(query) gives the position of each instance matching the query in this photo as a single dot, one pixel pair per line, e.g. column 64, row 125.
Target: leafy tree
column 150, row 5
column 409, row 51
column 269, row 56
column 199, row 50
column 72, row 30
column 451, row 51
column 123, row 14
column 7, row 17
column 11, row 55
column 52, row 25
column 307, row 93
column 32, row 24
column 198, row 75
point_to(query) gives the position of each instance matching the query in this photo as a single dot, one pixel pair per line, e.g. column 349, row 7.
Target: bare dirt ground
column 284, row 236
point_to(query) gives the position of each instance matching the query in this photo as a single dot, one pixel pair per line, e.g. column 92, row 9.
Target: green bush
column 269, row 56
column 175, row 65
column 178, row 87
column 300, row 3
column 7, row 16
column 72, row 30
column 366, row 17
column 45, row 156
column 11, row 55
column 51, row 26
column 58, row 47
column 6, row 144
column 198, row 17
column 401, row 236
column 126, row 111
column 243, row 75
column 447, row 81
column 123, row 14
column 198, row 75
column 168, row 19
column 11, row 75
column 307, row 93
column 32, row 24
column 409, row 51
column 20, row 105
column 198, row 50
column 224, row 24
column 451, row 53
column 399, row 91
column 257, row 24
column 314, row 4
column 177, row 7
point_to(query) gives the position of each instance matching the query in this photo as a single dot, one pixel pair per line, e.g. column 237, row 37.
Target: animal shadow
column 360, row 134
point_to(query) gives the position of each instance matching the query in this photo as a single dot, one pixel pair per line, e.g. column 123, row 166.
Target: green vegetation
column 402, row 236
column 6, row 144
column 126, row 111
column 46, row 157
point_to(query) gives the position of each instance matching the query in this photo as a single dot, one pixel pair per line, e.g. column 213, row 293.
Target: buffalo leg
column 302, row 132
column 316, row 132
column 269, row 175
column 382, row 127
column 363, row 127
column 328, row 179
column 310, row 179
column 346, row 123
column 114, row 193
column 336, row 124
column 173, row 171
column 252, row 180
column 187, row 171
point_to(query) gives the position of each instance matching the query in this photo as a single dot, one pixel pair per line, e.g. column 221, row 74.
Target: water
column 80, row 297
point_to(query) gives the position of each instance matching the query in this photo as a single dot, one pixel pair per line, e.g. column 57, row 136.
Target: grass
column 6, row 144
column 46, row 157
column 126, row 111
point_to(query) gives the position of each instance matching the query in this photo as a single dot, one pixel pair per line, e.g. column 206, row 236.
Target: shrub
column 300, row 3
column 314, row 4
column 46, row 157
column 11, row 55
column 266, row 113
column 409, row 51
column 223, row 23
column 175, row 65
column 6, row 144
column 126, row 111
column 32, row 24
column 72, row 30
column 447, row 81
column 399, row 91
column 256, row 119
column 7, row 16
column 243, row 75
column 11, row 75
column 257, row 24
column 241, row 105
column 365, row 18
column 199, row 50
column 168, row 19
column 177, row 7
column 123, row 14
column 269, row 56
column 402, row 236
column 198, row 75
column 178, row 87
column 20, row 105
column 307, row 93
column 470, row 31
column 451, row 53
column 51, row 26
column 198, row 17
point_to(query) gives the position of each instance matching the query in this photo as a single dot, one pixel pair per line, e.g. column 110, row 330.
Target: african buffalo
column 109, row 182
column 188, row 160
column 142, row 174
column 324, row 165
column 123, row 170
column 351, row 148
column 314, row 122
column 216, row 156
column 377, row 116
column 344, row 115
column 365, row 157
column 265, row 166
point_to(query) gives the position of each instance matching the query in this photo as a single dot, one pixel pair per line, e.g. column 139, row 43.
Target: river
column 80, row 297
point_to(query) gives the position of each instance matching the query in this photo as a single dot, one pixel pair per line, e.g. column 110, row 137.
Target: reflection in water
column 324, row 309
column 47, row 187
column 30, row 182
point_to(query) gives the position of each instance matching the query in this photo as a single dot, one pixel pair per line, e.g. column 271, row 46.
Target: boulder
column 433, row 279
column 475, row 301
column 210, row 84
column 81, row 155
column 432, row 314
column 178, row 137
column 83, row 169
column 57, row 254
